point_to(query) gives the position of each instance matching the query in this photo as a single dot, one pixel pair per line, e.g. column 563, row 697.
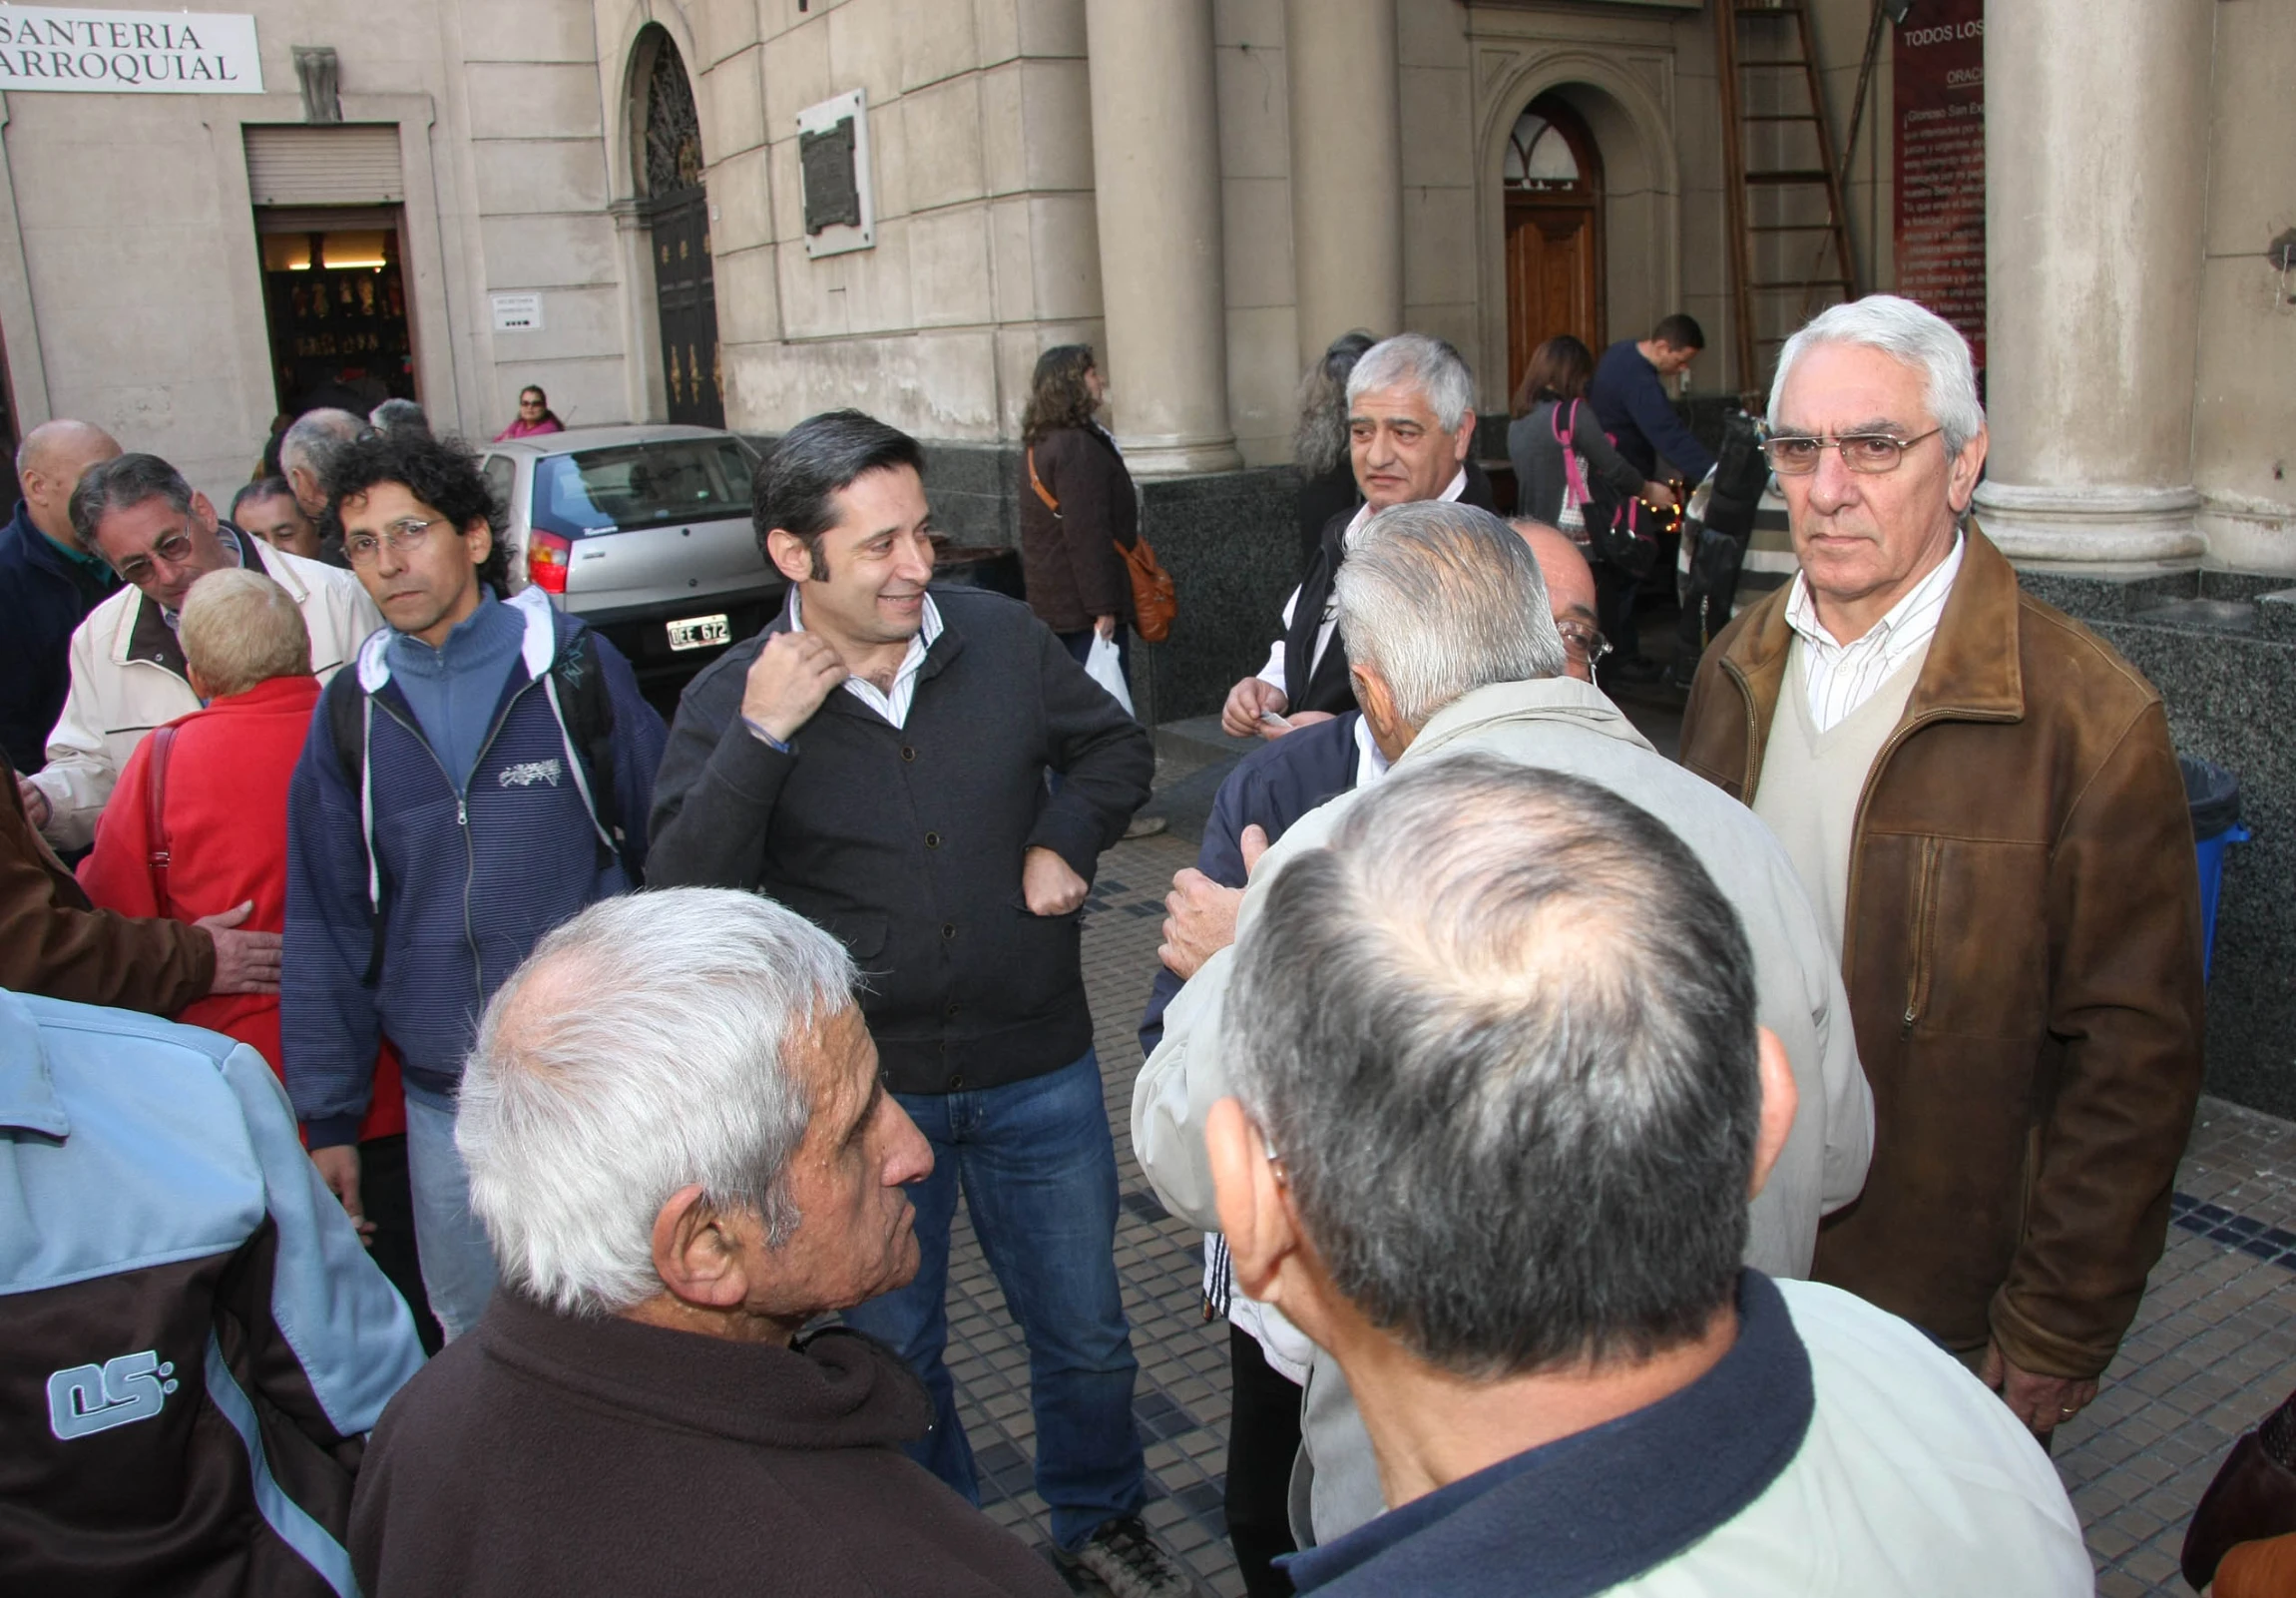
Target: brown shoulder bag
column 1155, row 601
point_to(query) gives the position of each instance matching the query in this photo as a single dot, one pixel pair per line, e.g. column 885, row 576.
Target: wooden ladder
column 1764, row 57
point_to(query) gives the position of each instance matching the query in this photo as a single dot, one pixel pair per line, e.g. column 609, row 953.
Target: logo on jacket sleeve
column 86, row 1400
column 528, row 773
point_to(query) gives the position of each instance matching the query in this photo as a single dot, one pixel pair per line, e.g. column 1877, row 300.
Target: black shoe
column 1130, row 1563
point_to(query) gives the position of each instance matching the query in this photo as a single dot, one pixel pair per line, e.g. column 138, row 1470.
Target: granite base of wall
column 1231, row 543
column 2222, row 648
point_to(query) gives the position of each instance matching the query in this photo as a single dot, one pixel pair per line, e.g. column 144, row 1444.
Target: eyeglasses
column 1796, row 455
column 173, row 550
column 1583, row 643
column 404, row 538
column 530, row 404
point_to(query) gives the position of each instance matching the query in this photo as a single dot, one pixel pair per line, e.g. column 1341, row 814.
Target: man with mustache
column 876, row 761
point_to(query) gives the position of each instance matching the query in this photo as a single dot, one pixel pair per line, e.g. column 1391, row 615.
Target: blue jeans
column 457, row 1261
column 1039, row 1179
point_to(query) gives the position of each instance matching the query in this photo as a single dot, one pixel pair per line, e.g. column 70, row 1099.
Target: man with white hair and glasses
column 1982, row 798
column 1455, row 652
column 681, row 1147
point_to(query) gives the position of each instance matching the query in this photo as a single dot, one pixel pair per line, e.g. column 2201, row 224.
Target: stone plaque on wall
column 833, row 170
column 1939, row 85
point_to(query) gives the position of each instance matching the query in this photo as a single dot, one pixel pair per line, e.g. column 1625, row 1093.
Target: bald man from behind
column 49, row 582
column 1570, row 594
column 305, row 449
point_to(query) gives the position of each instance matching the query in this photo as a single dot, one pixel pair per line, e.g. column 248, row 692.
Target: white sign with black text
column 518, row 313
column 63, row 49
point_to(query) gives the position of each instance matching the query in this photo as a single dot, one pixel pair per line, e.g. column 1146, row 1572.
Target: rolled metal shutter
column 338, row 166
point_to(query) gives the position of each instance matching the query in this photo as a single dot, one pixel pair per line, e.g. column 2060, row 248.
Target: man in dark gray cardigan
column 876, row 760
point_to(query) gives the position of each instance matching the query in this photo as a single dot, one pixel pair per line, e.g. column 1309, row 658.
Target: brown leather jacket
column 2022, row 955
column 54, row 945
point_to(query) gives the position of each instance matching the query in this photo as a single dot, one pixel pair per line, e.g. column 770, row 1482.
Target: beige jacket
column 1565, row 726
column 128, row 677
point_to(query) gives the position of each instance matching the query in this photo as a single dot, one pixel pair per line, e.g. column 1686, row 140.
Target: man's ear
column 1463, row 438
column 203, row 511
column 1252, row 1211
column 790, row 556
column 480, row 529
column 1960, row 484
column 1780, row 1099
column 696, row 1260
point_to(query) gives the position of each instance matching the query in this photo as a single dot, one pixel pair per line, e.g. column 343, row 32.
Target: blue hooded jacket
column 464, row 882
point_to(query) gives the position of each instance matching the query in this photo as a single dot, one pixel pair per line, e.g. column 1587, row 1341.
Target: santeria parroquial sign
column 65, row 49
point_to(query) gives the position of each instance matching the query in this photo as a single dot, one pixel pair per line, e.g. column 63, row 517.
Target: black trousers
column 1262, row 1440
column 389, row 1204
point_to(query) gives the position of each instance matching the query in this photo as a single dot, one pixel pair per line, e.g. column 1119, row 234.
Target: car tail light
column 547, row 557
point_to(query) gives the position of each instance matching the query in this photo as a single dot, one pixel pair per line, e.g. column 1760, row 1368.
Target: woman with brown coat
column 1078, row 506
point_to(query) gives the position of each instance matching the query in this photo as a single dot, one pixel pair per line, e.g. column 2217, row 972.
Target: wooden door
column 686, row 298
column 1554, row 197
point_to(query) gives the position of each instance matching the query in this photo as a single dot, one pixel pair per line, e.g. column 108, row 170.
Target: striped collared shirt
column 1843, row 677
column 894, row 707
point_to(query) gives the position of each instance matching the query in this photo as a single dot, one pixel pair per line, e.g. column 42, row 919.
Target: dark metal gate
column 677, row 210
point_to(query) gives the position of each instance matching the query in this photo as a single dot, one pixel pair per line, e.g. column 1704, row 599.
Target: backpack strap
column 155, row 818
column 347, row 707
column 576, row 689
column 1038, row 483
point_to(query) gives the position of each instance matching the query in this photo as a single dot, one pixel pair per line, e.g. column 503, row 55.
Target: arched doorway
column 676, row 206
column 1553, row 187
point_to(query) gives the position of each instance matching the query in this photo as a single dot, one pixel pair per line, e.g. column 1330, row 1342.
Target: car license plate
column 699, row 632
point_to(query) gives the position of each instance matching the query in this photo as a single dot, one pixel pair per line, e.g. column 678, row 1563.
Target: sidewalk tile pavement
column 2212, row 1350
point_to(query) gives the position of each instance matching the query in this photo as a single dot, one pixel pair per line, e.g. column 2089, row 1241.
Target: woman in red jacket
column 198, row 826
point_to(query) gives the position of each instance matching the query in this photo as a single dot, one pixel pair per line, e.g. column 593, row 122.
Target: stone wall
column 2222, row 648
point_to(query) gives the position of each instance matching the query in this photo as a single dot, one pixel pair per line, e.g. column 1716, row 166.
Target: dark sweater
column 1630, row 402
column 45, row 593
column 906, row 843
column 546, row 1455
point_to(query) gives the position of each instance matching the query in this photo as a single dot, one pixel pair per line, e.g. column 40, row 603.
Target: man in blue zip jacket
column 481, row 775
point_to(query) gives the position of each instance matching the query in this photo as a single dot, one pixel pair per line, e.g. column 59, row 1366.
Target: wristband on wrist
column 758, row 731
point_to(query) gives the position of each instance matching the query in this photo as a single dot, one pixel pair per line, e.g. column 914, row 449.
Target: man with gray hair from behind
column 306, row 449
column 683, row 1152
column 1453, row 651
column 1501, row 1096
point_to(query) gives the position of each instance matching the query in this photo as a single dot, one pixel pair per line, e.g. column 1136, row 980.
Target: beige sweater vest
column 1811, row 780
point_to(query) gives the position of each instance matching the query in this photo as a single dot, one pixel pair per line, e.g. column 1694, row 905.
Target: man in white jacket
column 1453, row 649
column 127, row 671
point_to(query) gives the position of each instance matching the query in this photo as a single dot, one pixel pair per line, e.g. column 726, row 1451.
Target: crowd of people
column 1618, row 1173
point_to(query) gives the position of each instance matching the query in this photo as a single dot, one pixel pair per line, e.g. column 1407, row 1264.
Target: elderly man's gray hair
column 312, row 439
column 1440, row 599
column 1911, row 333
column 645, row 1045
column 1501, row 1033
column 1421, row 361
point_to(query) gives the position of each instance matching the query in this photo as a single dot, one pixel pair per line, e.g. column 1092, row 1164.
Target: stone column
column 2095, row 179
column 1346, row 168
column 1155, row 175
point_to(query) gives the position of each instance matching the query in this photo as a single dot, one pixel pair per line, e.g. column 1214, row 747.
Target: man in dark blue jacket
column 1629, row 399
column 876, row 761
column 48, row 585
column 481, row 774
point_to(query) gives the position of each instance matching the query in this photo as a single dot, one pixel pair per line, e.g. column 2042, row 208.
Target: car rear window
column 628, row 486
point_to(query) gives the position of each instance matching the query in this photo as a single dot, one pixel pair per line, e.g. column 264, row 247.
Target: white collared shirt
column 894, row 707
column 1370, row 762
column 1272, row 672
column 1843, row 677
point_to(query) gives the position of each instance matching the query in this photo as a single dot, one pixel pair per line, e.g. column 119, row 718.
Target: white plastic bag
column 1106, row 668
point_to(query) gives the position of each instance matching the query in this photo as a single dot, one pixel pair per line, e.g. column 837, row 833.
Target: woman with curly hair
column 1319, row 446
column 1079, row 505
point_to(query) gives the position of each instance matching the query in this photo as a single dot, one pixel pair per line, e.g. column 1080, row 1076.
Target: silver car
column 643, row 532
